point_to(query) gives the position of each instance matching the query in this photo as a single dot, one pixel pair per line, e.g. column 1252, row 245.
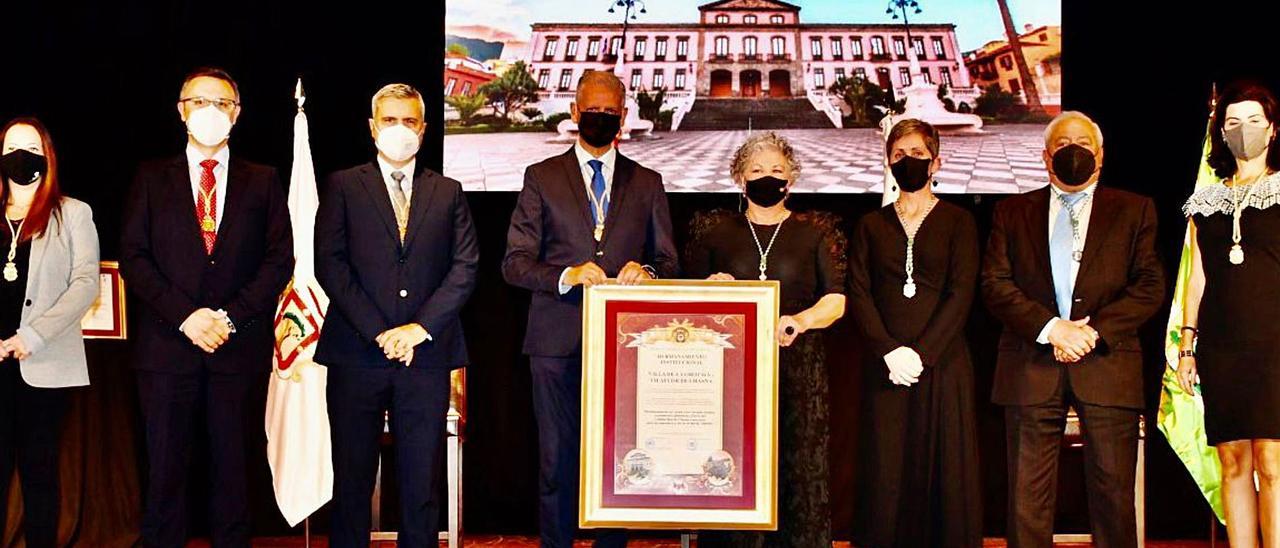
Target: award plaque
column 106, row 318
column 679, row 406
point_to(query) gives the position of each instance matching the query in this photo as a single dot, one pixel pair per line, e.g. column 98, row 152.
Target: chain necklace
column 1236, row 256
column 1073, row 213
column 11, row 268
column 909, row 287
column 764, row 250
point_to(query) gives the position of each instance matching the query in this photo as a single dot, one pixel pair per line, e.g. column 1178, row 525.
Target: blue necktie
column 597, row 188
column 1061, row 249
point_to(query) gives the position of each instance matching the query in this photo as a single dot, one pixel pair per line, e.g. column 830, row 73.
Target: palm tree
column 1024, row 73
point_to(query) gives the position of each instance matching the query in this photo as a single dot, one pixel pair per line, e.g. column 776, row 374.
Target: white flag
column 297, row 420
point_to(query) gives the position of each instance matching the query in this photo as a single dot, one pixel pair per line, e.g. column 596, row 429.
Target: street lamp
column 896, row 6
column 630, row 8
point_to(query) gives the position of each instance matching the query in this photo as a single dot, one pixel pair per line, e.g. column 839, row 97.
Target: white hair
column 397, row 91
column 1072, row 115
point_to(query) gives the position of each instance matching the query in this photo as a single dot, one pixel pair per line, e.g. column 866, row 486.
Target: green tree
column 511, row 91
column 466, row 105
column 863, row 97
column 997, row 103
column 458, row 49
column 651, row 104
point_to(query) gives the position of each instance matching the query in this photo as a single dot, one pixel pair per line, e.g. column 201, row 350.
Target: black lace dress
column 808, row 258
column 919, row 456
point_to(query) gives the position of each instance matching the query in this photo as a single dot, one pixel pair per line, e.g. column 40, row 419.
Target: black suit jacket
column 1120, row 285
column 375, row 283
column 164, row 265
column 551, row 229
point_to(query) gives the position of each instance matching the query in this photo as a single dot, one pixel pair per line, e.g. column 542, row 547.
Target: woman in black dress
column 912, row 274
column 1233, row 298
column 806, row 253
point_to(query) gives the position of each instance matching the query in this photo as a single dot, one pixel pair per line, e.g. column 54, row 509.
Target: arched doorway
column 750, row 82
column 721, row 83
column 779, row 83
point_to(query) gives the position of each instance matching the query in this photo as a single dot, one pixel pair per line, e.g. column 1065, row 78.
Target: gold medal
column 10, row 272
column 207, row 224
column 599, row 232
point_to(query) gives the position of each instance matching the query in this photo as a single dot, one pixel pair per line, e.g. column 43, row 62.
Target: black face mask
column 766, row 191
column 1074, row 165
column 23, row 166
column 911, row 173
column 598, row 129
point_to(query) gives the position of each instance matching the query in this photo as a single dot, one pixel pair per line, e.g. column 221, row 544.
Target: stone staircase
column 733, row 113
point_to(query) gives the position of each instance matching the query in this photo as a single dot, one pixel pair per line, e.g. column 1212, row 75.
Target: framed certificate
column 106, row 318
column 679, row 406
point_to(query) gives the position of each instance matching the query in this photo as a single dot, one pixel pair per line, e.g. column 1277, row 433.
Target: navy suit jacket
column 551, row 229
column 164, row 264
column 375, row 283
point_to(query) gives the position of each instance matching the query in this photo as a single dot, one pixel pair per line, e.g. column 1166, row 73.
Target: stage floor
column 532, row 542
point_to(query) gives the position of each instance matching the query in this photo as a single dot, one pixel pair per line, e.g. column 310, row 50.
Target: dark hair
column 1220, row 157
column 48, row 199
column 911, row 126
column 211, row 72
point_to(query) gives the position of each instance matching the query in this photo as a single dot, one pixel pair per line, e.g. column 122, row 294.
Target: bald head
column 600, row 88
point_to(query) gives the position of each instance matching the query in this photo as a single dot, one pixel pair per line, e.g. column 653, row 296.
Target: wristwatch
column 230, row 324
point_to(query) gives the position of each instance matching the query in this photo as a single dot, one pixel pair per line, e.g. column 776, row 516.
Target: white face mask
column 398, row 143
column 209, row 126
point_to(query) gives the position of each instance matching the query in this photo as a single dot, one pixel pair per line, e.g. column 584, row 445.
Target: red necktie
column 207, row 205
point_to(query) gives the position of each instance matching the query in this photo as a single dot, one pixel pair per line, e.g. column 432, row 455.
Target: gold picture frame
column 674, row 443
column 107, row 317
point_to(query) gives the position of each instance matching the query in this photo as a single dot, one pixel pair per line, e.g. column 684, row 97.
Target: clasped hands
column 1072, row 340
column 207, row 329
column 398, row 342
column 904, row 366
column 589, row 273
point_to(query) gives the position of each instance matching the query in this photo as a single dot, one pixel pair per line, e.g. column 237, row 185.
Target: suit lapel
column 1100, row 221
column 573, row 177
column 423, row 186
column 179, row 176
column 371, row 180
column 623, row 171
column 1038, row 224
column 233, row 202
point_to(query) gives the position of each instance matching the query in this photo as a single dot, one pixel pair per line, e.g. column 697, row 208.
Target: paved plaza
column 1004, row 159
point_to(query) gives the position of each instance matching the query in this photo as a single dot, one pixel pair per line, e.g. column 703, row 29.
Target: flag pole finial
column 298, row 95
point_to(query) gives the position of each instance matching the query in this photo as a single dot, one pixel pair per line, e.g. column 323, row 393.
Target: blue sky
column 977, row 21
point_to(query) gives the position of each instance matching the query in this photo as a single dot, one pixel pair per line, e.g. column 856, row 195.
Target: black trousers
column 557, row 406
column 417, row 400
column 30, row 435
column 170, row 405
column 1034, row 435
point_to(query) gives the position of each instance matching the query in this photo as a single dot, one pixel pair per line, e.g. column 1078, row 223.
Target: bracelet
column 1186, row 354
column 1191, row 329
column 653, row 274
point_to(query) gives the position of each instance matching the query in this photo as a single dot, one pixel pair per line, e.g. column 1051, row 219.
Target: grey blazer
column 62, row 284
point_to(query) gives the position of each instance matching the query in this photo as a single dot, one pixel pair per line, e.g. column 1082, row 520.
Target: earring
column 935, row 183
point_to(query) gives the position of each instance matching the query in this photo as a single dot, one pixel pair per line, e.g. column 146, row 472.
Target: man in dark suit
column 582, row 216
column 208, row 284
column 396, row 253
column 1072, row 272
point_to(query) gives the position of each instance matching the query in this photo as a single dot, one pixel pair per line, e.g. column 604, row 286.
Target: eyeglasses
column 225, row 105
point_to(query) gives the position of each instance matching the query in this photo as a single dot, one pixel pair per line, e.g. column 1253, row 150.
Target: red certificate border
column 746, row 500
column 119, row 326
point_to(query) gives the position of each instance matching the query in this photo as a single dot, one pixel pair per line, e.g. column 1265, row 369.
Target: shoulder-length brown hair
column 48, row 199
column 1220, row 157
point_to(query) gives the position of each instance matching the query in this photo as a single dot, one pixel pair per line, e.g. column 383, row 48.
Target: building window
column 448, row 87
column 749, row 20
column 1006, row 62
column 571, row 49
column 1044, row 37
column 640, row 46
column 926, row 75
column 660, row 49
column 778, row 46
column 946, row 75
column 938, row 49
column 722, row 46
column 615, row 44
column 776, row 19
column 722, row 19
column 904, row 76
column 819, row 79
column 1015, row 86
column 815, row 47
column 855, row 47
column 658, row 81
column 593, row 48
column 877, row 46
column 859, row 73
column 839, row 74
column 637, row 79
column 544, row 78
column 837, row 48
column 682, row 48
column 549, row 52
column 749, row 46
column 566, row 79
column 466, row 88
column 679, row 79
column 900, row 47
column 917, row 43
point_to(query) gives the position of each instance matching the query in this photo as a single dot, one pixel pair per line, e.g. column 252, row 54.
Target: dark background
column 104, row 76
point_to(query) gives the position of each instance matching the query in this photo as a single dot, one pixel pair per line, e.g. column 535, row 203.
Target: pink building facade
column 745, row 48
